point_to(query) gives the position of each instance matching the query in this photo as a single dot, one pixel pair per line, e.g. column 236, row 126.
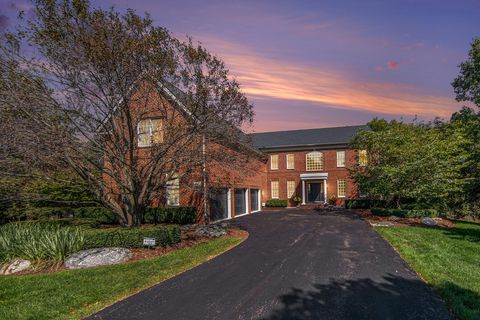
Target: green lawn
column 77, row 293
column 448, row 259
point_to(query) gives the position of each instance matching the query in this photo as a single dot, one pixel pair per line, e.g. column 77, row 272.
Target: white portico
column 314, row 187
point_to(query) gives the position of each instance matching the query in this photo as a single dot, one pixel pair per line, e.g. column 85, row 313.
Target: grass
column 75, row 294
column 448, row 259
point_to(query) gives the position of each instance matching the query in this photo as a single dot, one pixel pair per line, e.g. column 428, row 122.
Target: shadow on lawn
column 392, row 298
column 469, row 233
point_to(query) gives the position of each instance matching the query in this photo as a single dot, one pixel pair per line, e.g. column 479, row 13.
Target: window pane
column 340, row 158
column 274, row 189
column 290, row 188
column 143, row 129
column 274, row 161
column 290, row 161
column 173, row 192
column 314, row 161
column 362, row 157
column 341, row 188
column 157, row 130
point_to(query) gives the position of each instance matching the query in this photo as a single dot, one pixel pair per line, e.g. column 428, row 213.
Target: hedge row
column 368, row 203
column 403, row 213
column 131, row 238
column 178, row 215
column 276, row 203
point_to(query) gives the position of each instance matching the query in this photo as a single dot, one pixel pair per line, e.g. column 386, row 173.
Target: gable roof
column 305, row 138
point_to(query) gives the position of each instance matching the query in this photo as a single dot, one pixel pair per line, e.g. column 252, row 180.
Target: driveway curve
column 296, row 264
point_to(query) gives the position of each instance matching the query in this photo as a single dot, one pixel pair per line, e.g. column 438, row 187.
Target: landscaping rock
column 97, row 257
column 382, row 224
column 429, row 222
column 15, row 266
column 212, row 230
column 394, row 218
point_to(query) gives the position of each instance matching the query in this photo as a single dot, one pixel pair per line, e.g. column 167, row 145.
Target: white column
column 303, row 191
column 325, row 190
column 247, row 206
column 229, row 204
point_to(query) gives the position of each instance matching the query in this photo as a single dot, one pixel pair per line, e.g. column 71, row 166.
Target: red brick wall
column 282, row 175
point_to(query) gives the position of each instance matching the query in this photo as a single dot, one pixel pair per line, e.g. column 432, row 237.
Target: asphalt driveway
column 296, row 264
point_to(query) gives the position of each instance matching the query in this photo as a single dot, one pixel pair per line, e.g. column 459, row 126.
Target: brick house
column 309, row 163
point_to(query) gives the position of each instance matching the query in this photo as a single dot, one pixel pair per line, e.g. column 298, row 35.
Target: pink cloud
column 392, row 65
column 262, row 77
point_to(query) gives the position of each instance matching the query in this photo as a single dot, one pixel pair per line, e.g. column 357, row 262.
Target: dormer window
column 150, row 132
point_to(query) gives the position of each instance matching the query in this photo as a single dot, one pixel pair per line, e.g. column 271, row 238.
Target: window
column 274, row 189
column 150, row 131
column 314, row 161
column 274, row 162
column 290, row 189
column 362, row 157
column 340, row 158
column 290, row 161
column 173, row 191
column 341, row 188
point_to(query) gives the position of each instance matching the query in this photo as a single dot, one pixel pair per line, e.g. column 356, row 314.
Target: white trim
column 240, row 215
column 271, row 162
column 344, row 158
column 325, row 200
column 247, row 196
column 303, row 192
column 229, row 201
column 314, row 176
column 286, row 161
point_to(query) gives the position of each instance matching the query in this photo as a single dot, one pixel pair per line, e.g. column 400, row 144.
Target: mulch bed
column 402, row 222
column 189, row 238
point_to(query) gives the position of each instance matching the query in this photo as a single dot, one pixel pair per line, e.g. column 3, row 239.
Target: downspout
column 204, row 180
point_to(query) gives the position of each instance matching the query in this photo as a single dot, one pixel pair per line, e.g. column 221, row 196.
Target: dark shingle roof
column 292, row 138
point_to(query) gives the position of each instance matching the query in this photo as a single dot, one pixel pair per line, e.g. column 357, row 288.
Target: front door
column 314, row 192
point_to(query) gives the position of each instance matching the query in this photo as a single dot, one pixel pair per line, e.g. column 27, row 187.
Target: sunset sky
column 307, row 64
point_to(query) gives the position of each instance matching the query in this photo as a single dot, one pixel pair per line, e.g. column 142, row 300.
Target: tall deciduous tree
column 410, row 161
column 467, row 84
column 101, row 72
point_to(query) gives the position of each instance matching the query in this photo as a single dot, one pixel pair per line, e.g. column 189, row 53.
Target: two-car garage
column 244, row 201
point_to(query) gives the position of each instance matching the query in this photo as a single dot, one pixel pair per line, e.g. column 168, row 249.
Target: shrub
column 132, row 237
column 99, row 214
column 39, row 241
column 178, row 215
column 368, row 203
column 403, row 213
column 276, row 203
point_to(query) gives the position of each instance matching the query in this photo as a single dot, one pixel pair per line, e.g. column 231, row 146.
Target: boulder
column 97, row 257
column 429, row 222
column 212, row 230
column 15, row 266
column 393, row 218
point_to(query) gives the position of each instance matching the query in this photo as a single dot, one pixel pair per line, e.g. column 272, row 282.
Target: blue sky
column 326, row 63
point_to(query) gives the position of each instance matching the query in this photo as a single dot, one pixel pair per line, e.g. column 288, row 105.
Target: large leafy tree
column 410, row 161
column 87, row 67
column 467, row 84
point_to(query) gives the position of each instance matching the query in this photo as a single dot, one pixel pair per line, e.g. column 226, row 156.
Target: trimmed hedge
column 132, row 237
column 403, row 213
column 99, row 214
column 177, row 215
column 276, row 203
column 368, row 203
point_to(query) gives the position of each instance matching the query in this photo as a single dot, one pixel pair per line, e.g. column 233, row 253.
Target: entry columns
column 303, row 191
column 325, row 190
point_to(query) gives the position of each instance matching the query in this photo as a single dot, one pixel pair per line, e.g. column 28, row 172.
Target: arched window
column 314, row 161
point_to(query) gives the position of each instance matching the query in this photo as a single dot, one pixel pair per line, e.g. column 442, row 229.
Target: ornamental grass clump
column 39, row 241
